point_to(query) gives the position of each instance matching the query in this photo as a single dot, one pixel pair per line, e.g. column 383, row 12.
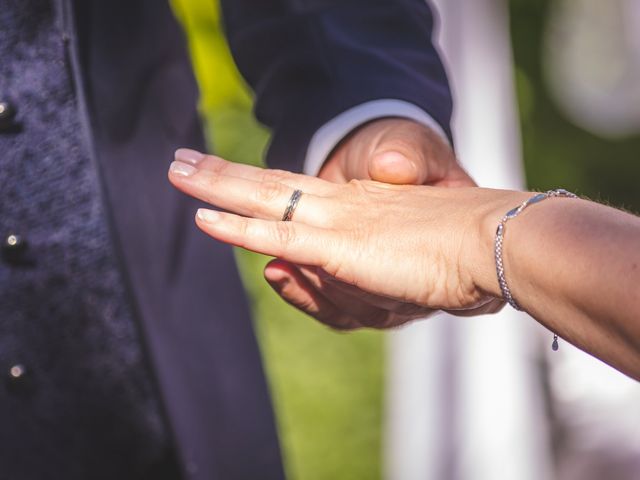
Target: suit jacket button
column 18, row 379
column 14, row 248
column 7, row 114
column 17, row 372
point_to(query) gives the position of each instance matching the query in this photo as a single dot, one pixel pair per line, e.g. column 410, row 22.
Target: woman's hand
column 408, row 249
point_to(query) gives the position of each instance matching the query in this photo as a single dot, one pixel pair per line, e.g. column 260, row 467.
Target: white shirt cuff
column 332, row 132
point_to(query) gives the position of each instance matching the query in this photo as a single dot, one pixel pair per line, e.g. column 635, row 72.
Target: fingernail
column 208, row 216
column 189, row 156
column 182, row 169
column 392, row 158
column 392, row 166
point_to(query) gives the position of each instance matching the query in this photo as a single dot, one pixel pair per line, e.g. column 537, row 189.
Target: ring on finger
column 291, row 205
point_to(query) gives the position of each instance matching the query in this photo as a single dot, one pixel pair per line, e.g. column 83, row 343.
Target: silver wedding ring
column 291, row 206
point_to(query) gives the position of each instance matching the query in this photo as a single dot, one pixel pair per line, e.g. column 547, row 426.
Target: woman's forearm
column 574, row 265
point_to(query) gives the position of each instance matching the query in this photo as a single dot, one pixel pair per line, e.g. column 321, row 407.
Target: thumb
column 394, row 166
column 407, row 152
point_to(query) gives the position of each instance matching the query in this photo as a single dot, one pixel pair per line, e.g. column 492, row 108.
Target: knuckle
column 358, row 189
column 211, row 178
column 214, row 170
column 268, row 192
column 243, row 228
column 273, row 175
column 356, row 184
column 218, row 167
column 283, row 233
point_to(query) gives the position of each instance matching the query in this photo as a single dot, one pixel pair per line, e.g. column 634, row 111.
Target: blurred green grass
column 326, row 386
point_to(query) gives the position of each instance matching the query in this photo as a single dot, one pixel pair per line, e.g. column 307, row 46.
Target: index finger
column 222, row 167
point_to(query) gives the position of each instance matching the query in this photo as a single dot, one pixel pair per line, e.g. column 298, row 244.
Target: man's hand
column 395, row 150
column 390, row 150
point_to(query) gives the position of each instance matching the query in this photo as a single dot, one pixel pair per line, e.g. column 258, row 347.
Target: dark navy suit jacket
column 307, row 60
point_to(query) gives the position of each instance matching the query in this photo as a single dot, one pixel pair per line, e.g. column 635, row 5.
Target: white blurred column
column 464, row 400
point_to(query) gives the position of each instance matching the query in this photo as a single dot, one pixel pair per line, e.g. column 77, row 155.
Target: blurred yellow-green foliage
column 326, row 386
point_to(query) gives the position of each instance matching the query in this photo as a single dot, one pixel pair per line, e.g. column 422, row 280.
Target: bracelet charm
column 499, row 241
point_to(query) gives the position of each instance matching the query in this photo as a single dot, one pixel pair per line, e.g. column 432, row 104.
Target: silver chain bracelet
column 504, row 288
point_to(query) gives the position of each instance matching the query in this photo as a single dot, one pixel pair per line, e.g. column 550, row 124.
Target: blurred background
column 575, row 70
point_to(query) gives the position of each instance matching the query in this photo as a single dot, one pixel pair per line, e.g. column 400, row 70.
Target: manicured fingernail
column 208, row 216
column 189, row 156
column 182, row 169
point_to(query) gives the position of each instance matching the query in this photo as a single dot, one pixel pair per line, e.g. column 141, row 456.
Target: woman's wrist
column 482, row 263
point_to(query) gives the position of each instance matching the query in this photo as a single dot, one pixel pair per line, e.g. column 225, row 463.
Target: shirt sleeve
column 331, row 133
